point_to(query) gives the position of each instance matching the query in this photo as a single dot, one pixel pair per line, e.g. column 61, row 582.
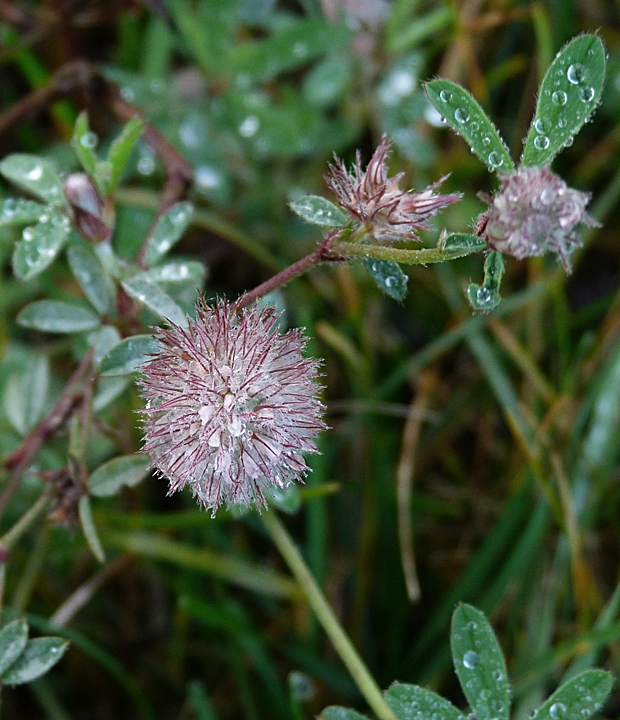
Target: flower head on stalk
column 372, row 198
column 536, row 212
column 231, row 405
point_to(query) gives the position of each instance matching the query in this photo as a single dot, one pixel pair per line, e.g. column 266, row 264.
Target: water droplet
column 189, row 134
column 208, row 177
column 542, row 126
column 300, row 49
column 561, row 123
column 128, row 94
column 486, row 140
column 495, row 160
column 146, row 165
column 568, row 142
column 541, row 142
column 547, row 196
column 557, row 710
column 471, row 659
column 391, row 281
column 249, row 126
column 35, row 173
column 461, row 115
column 559, row 98
column 402, row 83
column 474, row 125
column 44, row 218
column 483, row 296
column 585, row 93
column 575, row 74
column 89, row 140
column 445, row 96
column 497, row 675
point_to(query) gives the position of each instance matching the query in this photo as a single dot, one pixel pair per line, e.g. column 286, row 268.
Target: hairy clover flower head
column 232, row 405
column 536, row 212
column 377, row 201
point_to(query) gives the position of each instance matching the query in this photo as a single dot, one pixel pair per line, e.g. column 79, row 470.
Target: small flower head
column 374, row 199
column 231, row 406
column 536, row 212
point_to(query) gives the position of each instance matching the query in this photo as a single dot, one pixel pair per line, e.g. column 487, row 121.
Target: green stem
column 411, row 257
column 349, row 655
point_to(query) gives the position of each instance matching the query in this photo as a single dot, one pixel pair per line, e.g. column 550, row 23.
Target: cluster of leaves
column 23, row 660
column 481, row 669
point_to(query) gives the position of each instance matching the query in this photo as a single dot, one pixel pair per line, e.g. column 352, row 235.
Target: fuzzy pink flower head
column 377, row 201
column 231, row 405
column 536, row 212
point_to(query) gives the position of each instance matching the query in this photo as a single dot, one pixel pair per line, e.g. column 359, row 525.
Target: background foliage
column 492, row 439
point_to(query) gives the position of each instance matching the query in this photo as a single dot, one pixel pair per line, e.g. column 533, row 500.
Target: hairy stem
column 314, row 258
column 343, row 645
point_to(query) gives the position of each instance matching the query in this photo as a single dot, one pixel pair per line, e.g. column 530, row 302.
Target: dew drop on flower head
column 231, row 405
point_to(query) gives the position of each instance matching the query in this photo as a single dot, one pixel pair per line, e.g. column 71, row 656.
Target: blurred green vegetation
column 510, row 421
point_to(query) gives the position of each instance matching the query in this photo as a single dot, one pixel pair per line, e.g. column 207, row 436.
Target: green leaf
column 13, row 640
column 83, row 142
column 108, row 389
column 335, row 712
column 327, row 80
column 569, row 94
column 128, row 355
column 35, row 175
column 39, row 656
column 25, row 394
column 40, row 245
column 389, row 277
column 178, row 271
column 57, row 317
column 468, row 119
column 411, row 702
column 578, row 698
column 479, row 664
column 104, row 340
column 154, row 298
column 319, row 211
column 128, row 470
column 287, row 500
column 120, row 150
column 170, row 226
column 88, row 527
column 20, row 212
column 486, row 297
column 89, row 272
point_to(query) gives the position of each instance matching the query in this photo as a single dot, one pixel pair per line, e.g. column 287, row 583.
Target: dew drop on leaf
column 559, row 98
column 586, row 93
column 471, row 659
column 541, row 142
column 575, row 73
column 495, row 160
column 542, row 126
column 445, row 96
column 461, row 115
column 557, row 711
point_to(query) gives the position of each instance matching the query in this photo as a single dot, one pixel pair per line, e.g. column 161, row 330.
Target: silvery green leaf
column 411, row 702
column 25, row 394
column 465, row 116
column 83, row 143
column 120, row 150
column 579, row 698
column 104, row 340
column 388, row 276
column 459, row 244
column 129, row 355
column 35, row 175
column 177, row 271
column 39, row 246
column 319, row 211
column 110, row 477
column 486, row 297
column 569, row 94
column 108, row 389
column 169, row 229
column 480, row 664
column 155, row 299
column 38, row 657
column 287, row 500
column 13, row 639
column 15, row 211
column 57, row 317
column 88, row 527
column 335, row 712
column 89, row 272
